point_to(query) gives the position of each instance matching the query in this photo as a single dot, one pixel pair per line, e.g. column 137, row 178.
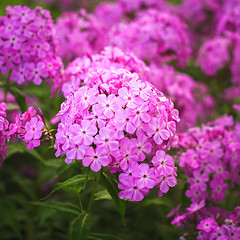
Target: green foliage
column 112, row 189
column 59, row 206
column 78, row 180
column 80, row 227
column 99, row 236
column 19, row 98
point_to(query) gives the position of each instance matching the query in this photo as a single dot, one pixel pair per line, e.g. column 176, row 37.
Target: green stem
column 93, row 192
column 78, row 162
column 80, row 201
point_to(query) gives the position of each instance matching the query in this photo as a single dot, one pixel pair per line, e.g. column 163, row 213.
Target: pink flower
column 128, row 98
column 97, row 117
column 33, row 129
column 198, row 181
column 195, row 206
column 32, row 143
column 139, row 114
column 165, row 182
column 207, row 225
column 141, row 89
column 131, row 191
column 127, row 174
column 124, row 121
column 178, row 219
column 107, row 138
column 108, row 104
column 95, row 158
column 163, row 162
column 27, row 116
column 156, row 127
column 84, row 133
column 143, row 146
column 76, row 152
column 145, row 176
column 127, row 153
column 35, row 72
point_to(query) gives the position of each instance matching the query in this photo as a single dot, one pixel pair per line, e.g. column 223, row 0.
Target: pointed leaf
column 19, row 98
column 99, row 236
column 59, row 206
column 76, row 180
column 101, row 195
column 9, row 216
column 112, row 189
column 156, row 201
column 80, row 227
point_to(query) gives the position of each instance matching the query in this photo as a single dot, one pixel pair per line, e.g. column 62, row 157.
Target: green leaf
column 76, row 180
column 100, row 236
column 14, row 148
column 46, row 213
column 113, row 191
column 101, row 195
column 19, row 98
column 9, row 216
column 156, row 201
column 80, row 227
column 59, row 206
column 12, row 107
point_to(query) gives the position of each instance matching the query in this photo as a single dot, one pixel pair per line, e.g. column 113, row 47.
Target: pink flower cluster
column 28, row 47
column 211, row 159
column 223, row 49
column 214, row 223
column 191, row 98
column 117, row 121
column 214, row 55
column 80, row 33
column 4, row 135
column 128, row 6
column 76, row 72
column 27, row 127
column 162, row 34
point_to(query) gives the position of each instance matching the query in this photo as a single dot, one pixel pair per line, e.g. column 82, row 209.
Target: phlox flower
column 65, row 137
column 156, row 127
column 96, row 158
column 165, row 181
column 76, row 152
column 108, row 104
column 128, row 173
column 198, row 182
column 139, row 114
column 107, row 138
column 163, row 162
column 33, row 129
column 195, row 206
column 127, row 152
column 144, row 175
column 143, row 146
column 195, row 195
column 207, row 225
column 124, row 121
column 140, row 88
column 27, row 116
column 96, row 116
column 86, row 97
column 218, row 189
column 32, row 143
column 84, row 133
column 212, row 150
column 128, row 98
column 131, row 191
